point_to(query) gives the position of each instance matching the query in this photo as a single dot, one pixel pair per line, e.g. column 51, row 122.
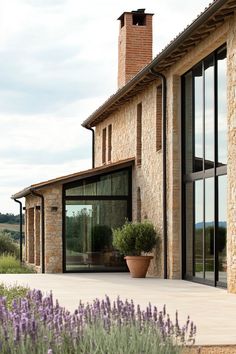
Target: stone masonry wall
column 30, row 235
column 148, row 177
column 32, row 228
column 231, row 168
column 37, row 236
column 53, row 229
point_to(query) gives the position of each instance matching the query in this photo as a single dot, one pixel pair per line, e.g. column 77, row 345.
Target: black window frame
column 95, row 178
column 214, row 172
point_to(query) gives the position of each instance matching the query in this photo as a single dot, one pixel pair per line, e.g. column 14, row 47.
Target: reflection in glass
column 89, row 234
column 189, row 228
column 222, row 107
column 188, row 124
column 198, row 230
column 205, row 110
column 198, row 121
column 209, row 228
column 112, row 184
column 222, row 229
column 209, row 113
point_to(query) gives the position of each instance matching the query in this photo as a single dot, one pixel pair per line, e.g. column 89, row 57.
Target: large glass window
column 221, row 108
column 209, row 110
column 93, row 207
column 197, row 148
column 111, row 185
column 198, row 230
column 205, row 172
column 222, row 229
column 209, row 228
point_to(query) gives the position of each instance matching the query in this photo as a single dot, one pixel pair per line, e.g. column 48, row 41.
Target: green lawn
column 11, row 265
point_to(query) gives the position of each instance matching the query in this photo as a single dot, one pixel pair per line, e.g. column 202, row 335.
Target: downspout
column 93, row 148
column 17, row 201
column 163, row 80
column 42, row 227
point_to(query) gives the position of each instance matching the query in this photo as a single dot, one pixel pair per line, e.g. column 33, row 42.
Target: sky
column 58, row 61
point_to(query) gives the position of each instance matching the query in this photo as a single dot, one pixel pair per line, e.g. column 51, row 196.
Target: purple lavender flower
column 37, row 319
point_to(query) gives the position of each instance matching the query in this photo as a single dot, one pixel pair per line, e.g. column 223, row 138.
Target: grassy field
column 11, row 227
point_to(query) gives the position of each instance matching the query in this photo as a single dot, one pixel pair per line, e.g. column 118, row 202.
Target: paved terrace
column 213, row 310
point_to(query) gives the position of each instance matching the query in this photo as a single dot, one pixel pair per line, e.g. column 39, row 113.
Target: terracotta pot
column 138, row 265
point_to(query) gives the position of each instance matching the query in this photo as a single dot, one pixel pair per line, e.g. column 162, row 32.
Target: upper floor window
column 139, row 135
column 104, row 145
column 109, row 142
column 205, row 114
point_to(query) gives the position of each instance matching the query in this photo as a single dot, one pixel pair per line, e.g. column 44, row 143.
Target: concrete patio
column 213, row 310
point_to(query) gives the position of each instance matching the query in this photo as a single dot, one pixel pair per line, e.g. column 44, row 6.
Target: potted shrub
column 131, row 240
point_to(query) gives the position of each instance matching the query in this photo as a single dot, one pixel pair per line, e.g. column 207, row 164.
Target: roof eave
column 22, row 193
column 75, row 177
column 89, row 122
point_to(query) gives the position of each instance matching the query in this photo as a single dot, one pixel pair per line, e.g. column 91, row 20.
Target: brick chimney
column 135, row 44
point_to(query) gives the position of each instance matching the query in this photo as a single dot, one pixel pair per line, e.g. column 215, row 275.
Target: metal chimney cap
column 139, row 11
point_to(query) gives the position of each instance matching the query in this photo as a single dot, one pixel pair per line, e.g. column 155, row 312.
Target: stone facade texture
column 30, row 235
column 147, row 178
column 231, row 167
column 53, row 230
column 36, row 236
column 147, row 173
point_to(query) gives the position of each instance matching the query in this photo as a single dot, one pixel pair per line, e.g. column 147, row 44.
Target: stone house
column 164, row 149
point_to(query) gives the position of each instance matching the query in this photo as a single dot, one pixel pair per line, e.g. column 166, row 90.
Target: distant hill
column 10, row 219
column 13, row 230
column 199, row 225
column 10, row 224
column 9, row 227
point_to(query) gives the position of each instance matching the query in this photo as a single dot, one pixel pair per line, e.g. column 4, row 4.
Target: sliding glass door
column 93, row 207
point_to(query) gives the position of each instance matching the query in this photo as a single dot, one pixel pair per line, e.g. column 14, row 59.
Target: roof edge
column 23, row 193
column 213, row 7
column 74, row 176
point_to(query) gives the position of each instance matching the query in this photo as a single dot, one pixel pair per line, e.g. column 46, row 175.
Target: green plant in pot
column 133, row 239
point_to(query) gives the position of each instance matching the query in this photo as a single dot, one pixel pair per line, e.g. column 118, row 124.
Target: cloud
column 54, row 134
column 45, row 3
column 16, row 176
column 58, row 63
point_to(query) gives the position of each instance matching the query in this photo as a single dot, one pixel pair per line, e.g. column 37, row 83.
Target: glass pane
column 84, row 187
column 89, row 234
column 104, row 185
column 120, row 183
column 222, row 229
column 189, row 228
column 116, row 183
column 209, row 229
column 222, row 108
column 188, row 124
column 198, row 230
column 209, row 113
column 198, row 121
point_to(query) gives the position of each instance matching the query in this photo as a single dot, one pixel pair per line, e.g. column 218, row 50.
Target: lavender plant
column 36, row 324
